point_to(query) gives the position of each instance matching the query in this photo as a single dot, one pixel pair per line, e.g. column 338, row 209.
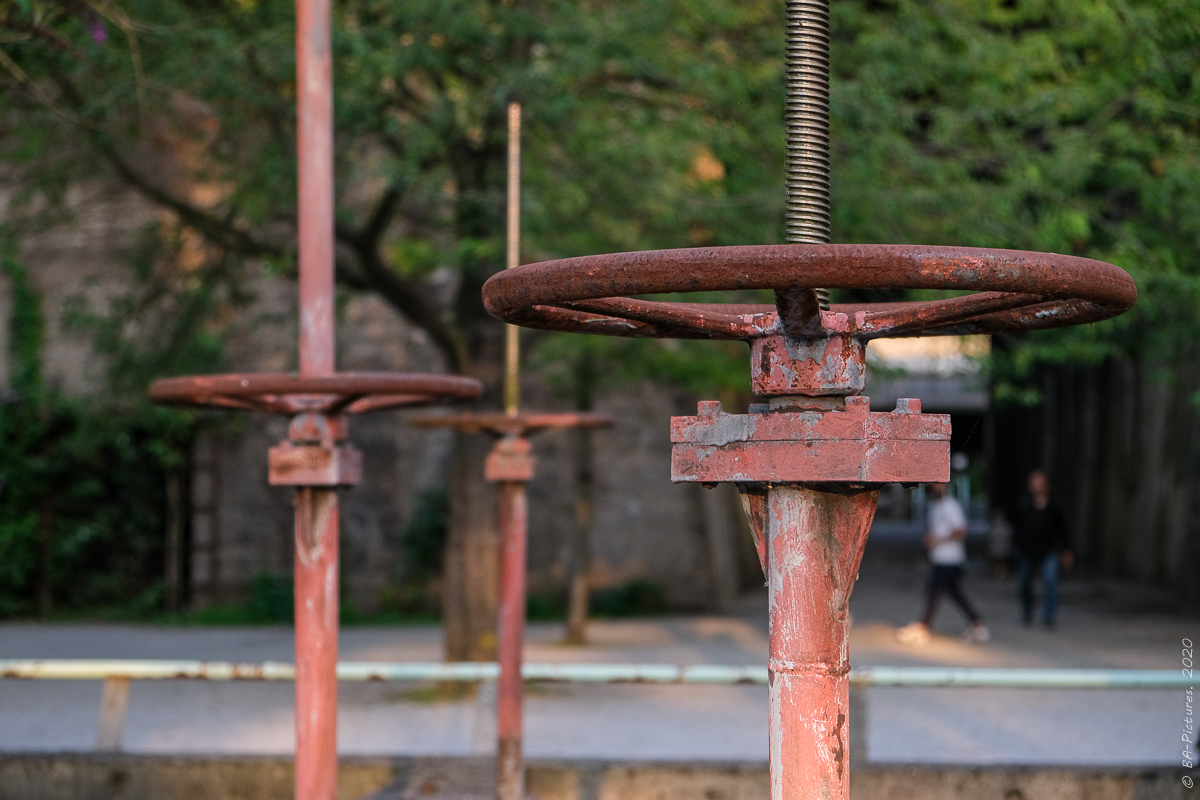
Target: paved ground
column 1101, row 625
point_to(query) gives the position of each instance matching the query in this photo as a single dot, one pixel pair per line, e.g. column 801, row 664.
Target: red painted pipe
column 316, row 579
column 314, row 140
column 316, row 643
column 510, row 768
column 815, row 541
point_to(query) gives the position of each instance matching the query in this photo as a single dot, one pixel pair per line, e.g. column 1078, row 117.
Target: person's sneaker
column 913, row 634
column 978, row 634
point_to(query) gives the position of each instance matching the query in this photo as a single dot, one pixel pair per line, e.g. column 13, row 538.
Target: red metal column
column 316, row 576
column 810, row 481
column 511, row 466
column 312, row 459
column 814, row 543
column 510, row 768
column 314, row 145
column 316, row 642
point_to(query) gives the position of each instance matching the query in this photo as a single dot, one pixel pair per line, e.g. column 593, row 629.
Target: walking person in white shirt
column 944, row 538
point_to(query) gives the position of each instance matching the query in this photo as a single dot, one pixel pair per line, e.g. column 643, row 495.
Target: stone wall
column 681, row 537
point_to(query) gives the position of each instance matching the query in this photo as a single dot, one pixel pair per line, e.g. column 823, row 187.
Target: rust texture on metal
column 856, row 446
column 592, row 294
column 814, row 542
column 810, row 461
column 821, row 366
column 313, row 465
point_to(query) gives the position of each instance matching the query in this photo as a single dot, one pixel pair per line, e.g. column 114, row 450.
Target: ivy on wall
column 82, row 484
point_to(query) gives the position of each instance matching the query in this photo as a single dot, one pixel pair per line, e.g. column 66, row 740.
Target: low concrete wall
column 129, row 777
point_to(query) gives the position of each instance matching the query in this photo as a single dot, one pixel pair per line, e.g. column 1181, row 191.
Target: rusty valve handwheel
column 1015, row 290
column 341, row 393
column 313, row 455
column 1021, row 291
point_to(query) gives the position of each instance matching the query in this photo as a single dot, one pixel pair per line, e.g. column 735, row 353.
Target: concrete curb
column 88, row 776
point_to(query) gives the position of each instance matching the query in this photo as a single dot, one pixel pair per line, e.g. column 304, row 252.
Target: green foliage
column 1069, row 126
column 545, row 607
column 423, row 542
column 422, row 548
column 647, row 124
column 271, row 598
column 639, row 597
column 82, row 497
column 26, row 326
column 165, row 323
column 575, row 365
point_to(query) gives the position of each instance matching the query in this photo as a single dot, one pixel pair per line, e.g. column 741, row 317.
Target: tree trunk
column 581, row 543
column 471, row 582
column 722, row 506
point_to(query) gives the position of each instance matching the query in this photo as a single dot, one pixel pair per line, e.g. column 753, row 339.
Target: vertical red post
column 314, row 141
column 510, row 768
column 316, row 578
column 815, row 541
column 316, row 643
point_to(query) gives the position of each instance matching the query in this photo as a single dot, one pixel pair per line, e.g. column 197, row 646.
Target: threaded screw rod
column 806, row 123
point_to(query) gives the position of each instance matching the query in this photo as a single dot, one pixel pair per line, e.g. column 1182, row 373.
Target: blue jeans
column 1048, row 567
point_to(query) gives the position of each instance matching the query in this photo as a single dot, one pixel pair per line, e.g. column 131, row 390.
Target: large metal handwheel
column 340, row 393
column 1016, row 291
column 318, row 405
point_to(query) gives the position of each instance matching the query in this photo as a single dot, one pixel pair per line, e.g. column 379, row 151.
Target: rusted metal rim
column 517, row 424
column 1021, row 290
column 343, row 392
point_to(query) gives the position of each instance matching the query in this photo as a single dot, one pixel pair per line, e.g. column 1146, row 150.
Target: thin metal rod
column 314, row 146
column 510, row 689
column 512, row 349
column 716, row 674
column 806, row 122
column 316, row 604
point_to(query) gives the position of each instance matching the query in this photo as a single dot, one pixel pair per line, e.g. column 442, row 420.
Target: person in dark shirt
column 1042, row 544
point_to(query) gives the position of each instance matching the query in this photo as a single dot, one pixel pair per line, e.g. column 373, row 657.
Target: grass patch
column 440, row 692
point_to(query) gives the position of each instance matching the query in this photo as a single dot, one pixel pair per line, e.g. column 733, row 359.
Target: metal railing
column 117, row 675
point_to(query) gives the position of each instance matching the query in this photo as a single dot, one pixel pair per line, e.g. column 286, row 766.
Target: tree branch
column 409, row 297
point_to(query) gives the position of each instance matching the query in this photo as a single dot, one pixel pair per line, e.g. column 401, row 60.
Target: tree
column 630, row 143
column 1062, row 125
column 648, row 124
column 1070, row 126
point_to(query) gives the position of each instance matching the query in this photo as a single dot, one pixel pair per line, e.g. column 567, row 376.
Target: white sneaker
column 978, row 634
column 914, row 634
